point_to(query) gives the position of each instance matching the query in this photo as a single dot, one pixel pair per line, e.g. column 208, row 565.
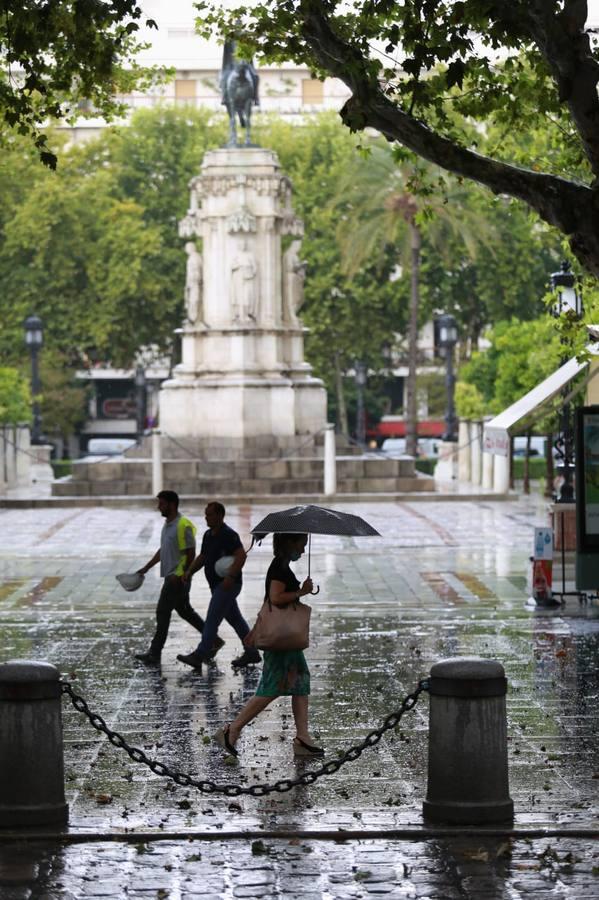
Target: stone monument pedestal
column 242, row 378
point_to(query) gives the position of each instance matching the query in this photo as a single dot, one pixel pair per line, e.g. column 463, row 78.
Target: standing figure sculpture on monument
column 239, row 92
column 294, row 274
column 193, row 284
column 244, row 297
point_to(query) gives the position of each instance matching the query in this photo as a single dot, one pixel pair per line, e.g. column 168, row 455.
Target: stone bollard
column 467, row 758
column 31, row 760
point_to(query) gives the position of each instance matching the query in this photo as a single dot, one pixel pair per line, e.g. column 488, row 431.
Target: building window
column 312, row 91
column 185, row 90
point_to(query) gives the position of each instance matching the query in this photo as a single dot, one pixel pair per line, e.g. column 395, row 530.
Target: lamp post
column 34, row 338
column 140, row 400
column 568, row 299
column 447, row 339
column 360, row 378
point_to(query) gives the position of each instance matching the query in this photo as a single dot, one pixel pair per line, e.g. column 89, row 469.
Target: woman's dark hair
column 282, row 542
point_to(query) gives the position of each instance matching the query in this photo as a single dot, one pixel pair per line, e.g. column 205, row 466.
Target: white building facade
column 285, row 88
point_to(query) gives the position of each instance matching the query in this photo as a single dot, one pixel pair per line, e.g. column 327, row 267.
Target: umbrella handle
column 317, row 591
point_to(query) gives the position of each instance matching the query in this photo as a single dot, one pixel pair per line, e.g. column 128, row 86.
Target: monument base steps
column 229, row 477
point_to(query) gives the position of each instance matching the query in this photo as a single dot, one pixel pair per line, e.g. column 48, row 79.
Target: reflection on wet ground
column 445, row 579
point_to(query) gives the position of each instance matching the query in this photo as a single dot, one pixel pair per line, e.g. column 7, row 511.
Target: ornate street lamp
column 34, row 338
column 360, row 379
column 140, row 400
column 447, row 333
column 567, row 296
column 568, row 299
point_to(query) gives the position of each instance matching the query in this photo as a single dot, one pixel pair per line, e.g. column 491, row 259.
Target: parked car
column 537, row 447
column 394, row 447
column 109, row 446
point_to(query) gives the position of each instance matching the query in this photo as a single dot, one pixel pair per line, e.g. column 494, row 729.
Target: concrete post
column 31, row 758
column 23, row 457
column 476, row 437
column 156, row 463
column 501, row 474
column 464, row 451
column 467, row 760
column 487, row 471
column 330, row 461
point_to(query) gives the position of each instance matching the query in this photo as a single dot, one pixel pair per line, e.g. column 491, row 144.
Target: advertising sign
column 543, row 545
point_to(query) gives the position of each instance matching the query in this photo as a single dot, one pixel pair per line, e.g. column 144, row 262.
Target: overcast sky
column 176, row 39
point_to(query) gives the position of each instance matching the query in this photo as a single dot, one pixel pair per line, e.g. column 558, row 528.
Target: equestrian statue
column 239, row 92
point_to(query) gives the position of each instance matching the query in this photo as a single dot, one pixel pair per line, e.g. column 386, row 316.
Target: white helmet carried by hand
column 131, row 582
column 222, row 565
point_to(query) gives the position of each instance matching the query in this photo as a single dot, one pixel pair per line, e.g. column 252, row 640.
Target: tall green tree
column 15, row 397
column 93, row 247
column 420, row 71
column 60, row 59
column 382, row 213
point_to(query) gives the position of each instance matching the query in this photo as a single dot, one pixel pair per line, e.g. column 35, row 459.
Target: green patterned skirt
column 285, row 674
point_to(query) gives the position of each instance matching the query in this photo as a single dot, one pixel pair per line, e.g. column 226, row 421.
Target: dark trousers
column 223, row 605
column 173, row 596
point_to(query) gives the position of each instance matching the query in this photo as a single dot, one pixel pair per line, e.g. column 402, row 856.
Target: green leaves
column 93, row 248
column 15, row 397
column 55, row 54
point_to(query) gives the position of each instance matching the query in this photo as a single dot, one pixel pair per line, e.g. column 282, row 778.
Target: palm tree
column 381, row 209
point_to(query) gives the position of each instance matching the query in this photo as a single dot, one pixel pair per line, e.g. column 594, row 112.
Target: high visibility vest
column 182, row 524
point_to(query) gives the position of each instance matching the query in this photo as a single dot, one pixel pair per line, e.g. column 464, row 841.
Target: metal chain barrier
column 235, row 790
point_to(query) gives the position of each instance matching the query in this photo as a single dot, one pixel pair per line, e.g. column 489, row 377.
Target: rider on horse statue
column 239, row 92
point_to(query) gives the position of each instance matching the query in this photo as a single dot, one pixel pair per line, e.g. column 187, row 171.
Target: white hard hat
column 222, row 565
column 131, row 582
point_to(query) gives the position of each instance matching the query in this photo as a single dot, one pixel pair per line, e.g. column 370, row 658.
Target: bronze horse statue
column 239, row 92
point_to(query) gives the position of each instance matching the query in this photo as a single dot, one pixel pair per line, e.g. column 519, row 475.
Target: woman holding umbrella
column 285, row 672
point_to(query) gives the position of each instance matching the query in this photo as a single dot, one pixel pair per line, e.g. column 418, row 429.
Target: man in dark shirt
column 220, row 541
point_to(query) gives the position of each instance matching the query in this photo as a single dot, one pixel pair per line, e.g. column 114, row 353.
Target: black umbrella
column 313, row 520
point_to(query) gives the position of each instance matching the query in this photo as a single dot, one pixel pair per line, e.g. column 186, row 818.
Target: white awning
column 497, row 432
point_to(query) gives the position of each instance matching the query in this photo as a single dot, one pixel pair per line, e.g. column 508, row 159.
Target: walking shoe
column 222, row 737
column 194, row 659
column 248, row 658
column 217, row 645
column 301, row 748
column 149, row 658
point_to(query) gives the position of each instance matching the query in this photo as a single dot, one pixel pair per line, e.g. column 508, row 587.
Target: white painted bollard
column 467, row 759
column 31, row 755
column 476, row 441
column 330, row 461
column 464, row 451
column 501, row 474
column 488, row 471
column 156, row 463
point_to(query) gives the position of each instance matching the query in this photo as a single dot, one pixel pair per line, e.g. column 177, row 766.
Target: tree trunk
column 549, row 471
column 568, row 205
column 412, row 399
column 341, row 405
column 526, row 486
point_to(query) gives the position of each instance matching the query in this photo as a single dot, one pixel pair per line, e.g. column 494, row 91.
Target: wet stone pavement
column 445, row 579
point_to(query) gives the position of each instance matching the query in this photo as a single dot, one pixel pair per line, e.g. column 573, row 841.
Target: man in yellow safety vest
column 176, row 554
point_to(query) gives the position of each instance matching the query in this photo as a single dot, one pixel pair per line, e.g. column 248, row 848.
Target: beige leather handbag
column 281, row 627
